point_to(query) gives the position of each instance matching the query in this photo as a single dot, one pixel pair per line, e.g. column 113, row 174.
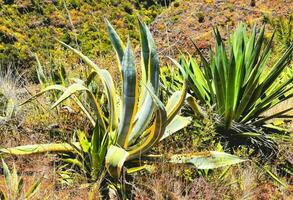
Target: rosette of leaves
column 240, row 85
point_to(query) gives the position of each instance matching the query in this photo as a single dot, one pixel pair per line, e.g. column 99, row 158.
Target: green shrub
column 31, row 26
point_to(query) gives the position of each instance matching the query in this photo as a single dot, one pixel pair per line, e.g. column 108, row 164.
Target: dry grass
column 224, row 14
column 241, row 182
column 170, row 182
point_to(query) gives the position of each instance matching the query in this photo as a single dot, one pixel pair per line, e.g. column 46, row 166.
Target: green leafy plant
column 55, row 75
column 283, row 27
column 239, row 85
column 123, row 136
column 14, row 185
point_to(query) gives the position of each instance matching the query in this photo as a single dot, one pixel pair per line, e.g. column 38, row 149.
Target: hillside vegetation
column 146, row 99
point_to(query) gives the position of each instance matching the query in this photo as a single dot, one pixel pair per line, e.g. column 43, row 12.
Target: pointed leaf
column 206, row 160
column 175, row 125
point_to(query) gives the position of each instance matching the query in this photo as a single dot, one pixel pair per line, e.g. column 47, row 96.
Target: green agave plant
column 238, row 84
column 14, row 186
column 126, row 126
column 56, row 74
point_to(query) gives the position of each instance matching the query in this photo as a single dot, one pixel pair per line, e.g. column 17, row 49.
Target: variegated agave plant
column 125, row 135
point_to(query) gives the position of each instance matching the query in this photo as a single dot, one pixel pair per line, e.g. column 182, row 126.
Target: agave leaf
column 266, row 103
column 206, row 160
column 277, row 69
column 48, row 88
column 108, row 84
column 99, row 144
column 111, row 96
column 225, row 173
column 249, row 51
column 205, row 62
column 172, row 101
column 39, row 148
column 145, row 53
column 175, row 106
column 157, row 129
column 276, row 115
column 82, row 56
column 84, row 143
column 20, row 186
column 33, row 189
column 198, row 80
column 7, row 178
column 74, row 161
column 145, row 112
column 14, row 183
column 150, row 61
column 40, row 72
column 136, row 169
column 84, row 110
column 130, row 97
column 76, row 87
column 175, row 125
column 116, row 41
column 271, row 126
column 281, row 90
column 115, row 159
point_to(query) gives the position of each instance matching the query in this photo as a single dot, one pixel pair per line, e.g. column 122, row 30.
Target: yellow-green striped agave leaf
column 206, row 160
column 46, row 89
column 116, row 41
column 156, row 130
column 129, row 98
column 178, row 123
column 38, row 148
column 177, row 99
column 150, row 75
column 77, row 87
